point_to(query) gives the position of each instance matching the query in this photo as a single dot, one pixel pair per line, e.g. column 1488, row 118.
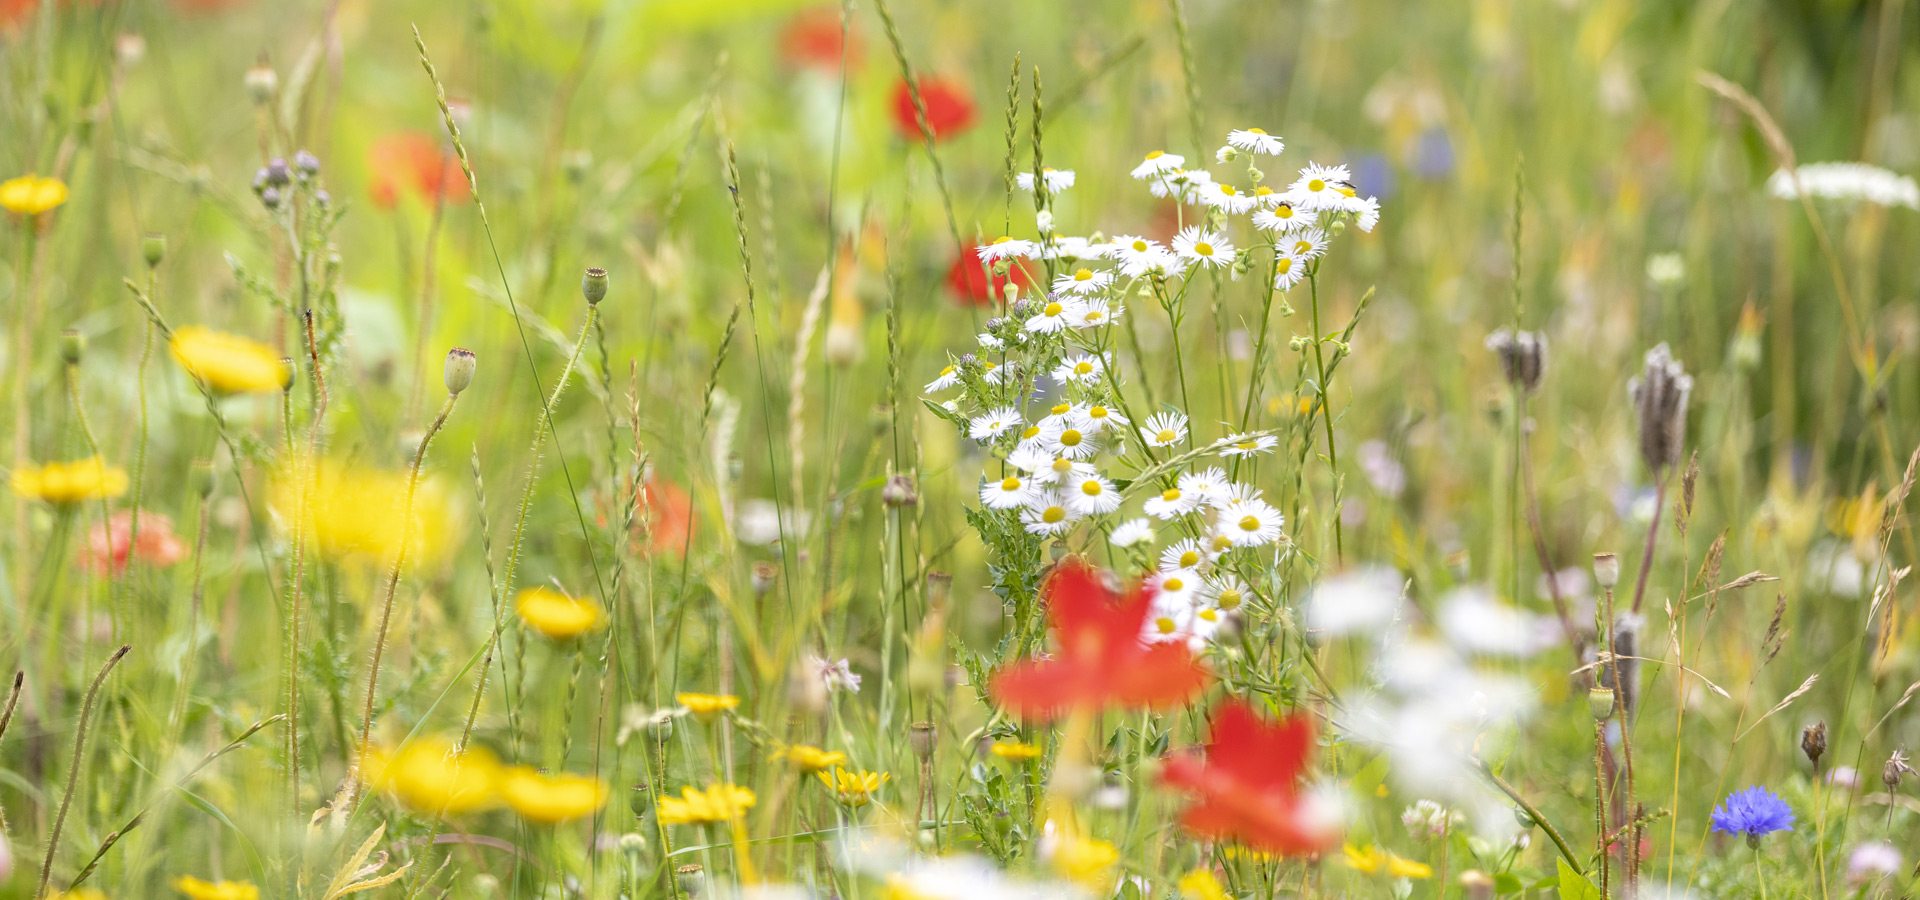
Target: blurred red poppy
column 410, row 161
column 1247, row 784
column 968, row 282
column 110, row 546
column 949, row 108
column 669, row 517
column 812, row 40
column 1101, row 660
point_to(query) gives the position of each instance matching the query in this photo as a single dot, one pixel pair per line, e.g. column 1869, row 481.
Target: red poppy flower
column 413, row 162
column 110, row 546
column 969, row 282
column 1247, row 786
column 669, row 517
column 1101, row 660
column 949, row 109
column 811, row 39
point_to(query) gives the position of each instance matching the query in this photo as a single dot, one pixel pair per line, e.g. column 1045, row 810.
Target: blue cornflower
column 1753, row 812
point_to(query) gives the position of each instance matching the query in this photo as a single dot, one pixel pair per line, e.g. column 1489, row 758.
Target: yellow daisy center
column 1031, row 431
column 1156, row 154
column 1229, row 598
column 1090, row 488
column 1164, row 624
column 1010, row 484
column 1209, row 615
column 1247, row 445
column 1070, row 438
column 1098, row 412
column 1139, row 246
column 1003, row 239
column 1203, row 248
column 1302, row 246
column 1166, row 436
column 947, row 371
column 1286, row 265
column 1255, row 131
column 1174, row 584
column 1228, row 190
column 1083, row 275
column 1060, row 409
column 1249, row 523
column 1054, row 515
column 1189, row 559
column 1062, row 465
column 1316, row 185
column 1053, row 309
column 1085, row 368
column 1221, row 542
column 1170, row 494
column 1262, row 191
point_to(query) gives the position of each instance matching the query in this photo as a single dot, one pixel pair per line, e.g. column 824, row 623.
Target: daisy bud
column 287, row 373
column 1226, row 154
column 1606, row 569
column 1813, row 742
column 691, row 879
column 1659, row 397
column 593, row 285
column 261, row 83
column 200, row 474
column 898, row 492
column 1043, row 220
column 73, row 346
column 153, row 249
column 1600, row 703
column 458, row 371
column 923, row 736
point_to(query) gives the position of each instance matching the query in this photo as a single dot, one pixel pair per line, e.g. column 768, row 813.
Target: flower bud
column 1659, row 394
column 633, row 842
column 899, row 492
column 1813, row 742
column 1606, row 569
column 270, row 198
column 593, row 285
column 459, row 369
column 73, row 346
column 278, row 172
column 288, row 371
column 153, row 248
column 261, row 83
column 1600, row 703
column 201, row 475
column 923, row 736
column 306, row 164
column 1523, row 357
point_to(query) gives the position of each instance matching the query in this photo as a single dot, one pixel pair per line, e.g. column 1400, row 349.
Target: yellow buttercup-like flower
column 718, row 803
column 557, row 615
column 227, row 363
column 429, row 776
column 705, row 706
column 31, row 195
column 1085, row 860
column 83, row 893
column 215, row 890
column 1200, row 884
column 1374, row 860
column 810, row 759
column 552, row 798
column 355, row 512
column 1015, row 750
column 854, row 787
column 70, row 482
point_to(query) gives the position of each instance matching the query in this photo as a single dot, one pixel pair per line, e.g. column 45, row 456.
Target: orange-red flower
column 968, row 282
column 1247, row 786
column 1101, row 660
column 949, row 109
column 412, row 162
column 109, row 547
column 811, row 39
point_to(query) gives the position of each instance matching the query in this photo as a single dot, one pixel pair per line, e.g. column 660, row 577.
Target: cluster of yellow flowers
column 70, row 482
column 432, row 775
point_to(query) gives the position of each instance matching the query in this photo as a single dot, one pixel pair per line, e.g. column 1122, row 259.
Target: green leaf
column 1507, row 883
column 1573, row 885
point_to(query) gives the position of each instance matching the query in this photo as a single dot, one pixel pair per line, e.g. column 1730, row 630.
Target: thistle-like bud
column 261, row 83
column 153, row 249
column 923, row 736
column 1813, row 742
column 593, row 286
column 201, row 475
column 898, row 492
column 1896, row 767
column 939, row 587
column 1659, row 397
column 459, row 369
column 1523, row 357
column 306, row 164
column 1600, row 703
column 279, row 174
column 288, row 371
column 1606, row 569
column 270, row 198
column 1625, row 677
column 691, row 878
column 73, row 346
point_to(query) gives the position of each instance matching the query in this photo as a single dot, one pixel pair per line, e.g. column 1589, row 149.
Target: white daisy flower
column 1186, row 554
column 1225, row 590
column 1164, row 429
column 1282, row 218
column 1159, row 162
column 1069, row 248
column 1289, row 268
column 993, row 423
column 1095, row 313
column 1082, row 282
column 1169, row 620
column 1171, row 503
column 1210, row 248
column 1319, row 187
column 1131, row 532
column 1235, row 493
column 1092, row 495
column 1181, row 182
column 1175, row 586
column 992, row 370
column 1125, row 248
column 1248, row 445
column 1011, row 492
column 1030, row 439
column 1081, row 369
column 1253, row 140
column 1249, row 524
column 1030, row 457
column 1100, row 418
column 1226, row 197
column 1053, row 180
column 1052, row 317
column 1204, row 485
column 989, row 342
column 1006, row 248
column 1307, row 243
column 1071, row 442
column 949, row 377
column 1159, row 262
column 1047, row 515
column 1057, row 417
column 1366, row 212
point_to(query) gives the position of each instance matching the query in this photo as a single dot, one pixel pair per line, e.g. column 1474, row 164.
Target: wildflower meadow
column 923, row 450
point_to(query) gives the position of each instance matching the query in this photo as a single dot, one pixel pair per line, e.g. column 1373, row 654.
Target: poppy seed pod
column 593, row 286
column 1523, row 357
column 1659, row 397
column 1600, row 703
column 691, row 878
column 1606, row 569
column 202, row 477
column 459, row 369
column 153, row 249
column 73, row 346
column 261, row 83
column 923, row 736
column 287, row 373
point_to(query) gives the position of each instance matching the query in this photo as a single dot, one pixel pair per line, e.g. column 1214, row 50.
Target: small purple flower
column 1872, row 861
column 1753, row 812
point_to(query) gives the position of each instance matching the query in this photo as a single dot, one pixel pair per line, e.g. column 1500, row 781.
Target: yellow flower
column 854, row 787
column 1373, row 859
column 429, row 776
column 810, row 759
column 1406, row 868
column 1015, row 750
column 1200, row 884
column 1085, row 860
column 552, row 798
column 31, row 195
column 705, row 706
column 215, row 890
column 557, row 615
column 70, row 482
column 718, row 803
column 227, row 363
column 356, row 512
column 85, row 893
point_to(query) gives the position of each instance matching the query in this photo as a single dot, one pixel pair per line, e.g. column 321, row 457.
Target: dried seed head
column 923, row 736
column 1659, row 397
column 1523, row 356
column 593, row 285
column 1606, row 569
column 763, row 575
column 899, row 492
column 1625, row 677
column 1813, row 742
column 459, row 369
column 1897, row 766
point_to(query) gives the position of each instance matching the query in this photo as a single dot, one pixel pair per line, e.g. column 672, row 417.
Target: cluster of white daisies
column 1051, row 478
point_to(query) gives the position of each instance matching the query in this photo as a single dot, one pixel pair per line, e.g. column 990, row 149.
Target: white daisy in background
column 1092, row 495
column 949, row 377
column 1095, row 313
column 1131, row 532
column 1184, row 183
column 1158, row 262
column 1225, row 590
column 1171, row 503
column 1030, row 457
column 1011, row 492
column 1250, row 524
column 1072, row 249
column 1176, row 585
column 1164, row 429
column 1253, row 140
column 1367, row 599
column 1184, row 554
column 1157, row 163
column 1248, row 445
column 1047, row 515
column 1210, row 248
column 1030, row 440
column 1052, row 180
column 1237, row 492
column 1169, row 619
column 1205, row 485
column 1006, row 248
column 989, row 342
column 1127, row 248
column 1288, row 268
column 1282, row 218
column 1052, row 317
column 1366, row 212
column 1226, row 197
column 993, row 423
column 1082, row 282
column 1847, row 181
column 1071, row 442
column 1080, row 369
column 1100, row 418
column 1056, row 417
column 1319, row 187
